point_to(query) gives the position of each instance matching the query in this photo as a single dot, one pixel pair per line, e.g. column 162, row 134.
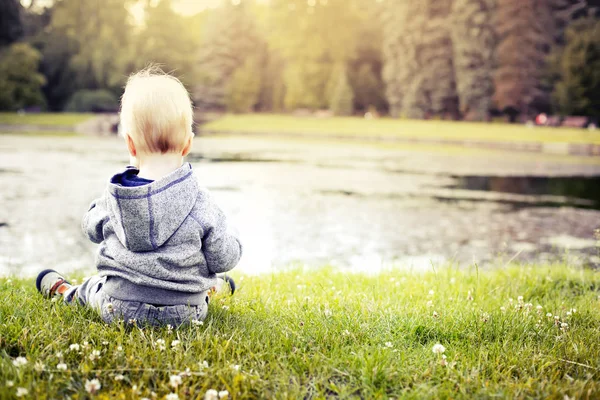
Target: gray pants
column 90, row 294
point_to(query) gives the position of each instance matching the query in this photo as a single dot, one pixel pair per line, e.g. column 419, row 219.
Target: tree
column 244, row 87
column 527, row 31
column 577, row 70
column 20, row 83
column 474, row 40
column 342, row 101
column 368, row 89
column 419, row 69
column 101, row 33
column 230, row 38
column 167, row 39
column 11, row 28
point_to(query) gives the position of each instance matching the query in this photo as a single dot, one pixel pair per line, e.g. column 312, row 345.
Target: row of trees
column 417, row 59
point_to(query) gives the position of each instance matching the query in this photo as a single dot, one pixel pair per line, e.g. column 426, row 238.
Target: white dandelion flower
column 74, row 347
column 223, row 394
column 197, row 322
column 429, row 304
column 59, row 354
column 175, row 343
column 236, row 367
column 211, row 394
column 22, row 392
column 435, row 314
column 19, row 362
column 169, row 327
column 503, row 309
column 564, row 325
column 539, row 308
column 520, row 299
column 94, row 355
column 389, row 344
column 119, row 349
column 38, row 366
column 549, row 315
column 172, row 396
column 346, row 332
column 175, row 381
column 203, row 364
column 10, row 383
column 104, row 343
column 61, row 367
column 92, row 386
column 119, row 377
column 438, row 348
column 431, row 292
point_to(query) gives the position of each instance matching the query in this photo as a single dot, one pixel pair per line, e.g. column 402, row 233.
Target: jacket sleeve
column 221, row 244
column 94, row 220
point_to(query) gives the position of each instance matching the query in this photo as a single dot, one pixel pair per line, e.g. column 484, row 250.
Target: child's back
column 162, row 238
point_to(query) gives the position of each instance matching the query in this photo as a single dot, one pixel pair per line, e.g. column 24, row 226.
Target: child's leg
column 50, row 283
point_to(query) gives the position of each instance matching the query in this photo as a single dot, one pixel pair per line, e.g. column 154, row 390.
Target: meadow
column 398, row 128
column 512, row 332
column 44, row 119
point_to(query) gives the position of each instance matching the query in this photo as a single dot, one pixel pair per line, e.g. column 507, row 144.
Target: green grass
column 387, row 127
column 44, row 119
column 326, row 334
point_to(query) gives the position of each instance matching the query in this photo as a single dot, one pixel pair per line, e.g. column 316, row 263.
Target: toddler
column 163, row 239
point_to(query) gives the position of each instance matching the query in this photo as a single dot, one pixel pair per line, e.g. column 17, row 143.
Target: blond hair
column 156, row 111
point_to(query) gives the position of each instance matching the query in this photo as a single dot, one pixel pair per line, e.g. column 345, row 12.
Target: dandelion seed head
column 175, row 343
column 9, row 383
column 74, row 347
column 549, row 315
column 61, row 367
column 19, row 362
column 223, row 394
column 22, row 392
column 172, row 396
column 438, row 348
column 211, row 394
column 175, row 381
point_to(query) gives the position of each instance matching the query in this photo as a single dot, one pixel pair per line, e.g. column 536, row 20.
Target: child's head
column 156, row 114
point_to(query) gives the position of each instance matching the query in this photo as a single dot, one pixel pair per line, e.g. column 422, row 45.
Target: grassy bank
column 326, row 334
column 44, row 119
column 387, row 127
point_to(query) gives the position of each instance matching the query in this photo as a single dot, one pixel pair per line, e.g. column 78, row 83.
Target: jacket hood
column 145, row 217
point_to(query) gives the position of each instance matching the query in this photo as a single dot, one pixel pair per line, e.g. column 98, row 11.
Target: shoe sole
column 41, row 275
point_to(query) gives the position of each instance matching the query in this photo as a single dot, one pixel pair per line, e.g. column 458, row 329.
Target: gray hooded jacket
column 162, row 243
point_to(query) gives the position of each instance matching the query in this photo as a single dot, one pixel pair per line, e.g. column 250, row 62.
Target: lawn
column 325, row 334
column 44, row 119
column 390, row 128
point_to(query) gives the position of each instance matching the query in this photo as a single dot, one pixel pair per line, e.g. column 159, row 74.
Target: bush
column 93, row 101
column 20, row 83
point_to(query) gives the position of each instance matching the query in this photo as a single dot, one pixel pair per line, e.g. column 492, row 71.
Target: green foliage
column 100, row 33
column 244, row 87
column 20, row 83
column 93, row 101
column 230, row 38
column 342, row 100
column 326, row 334
column 577, row 70
column 474, row 40
column 169, row 40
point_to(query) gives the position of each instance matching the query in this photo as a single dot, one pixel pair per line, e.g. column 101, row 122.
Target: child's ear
column 187, row 148
column 130, row 145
